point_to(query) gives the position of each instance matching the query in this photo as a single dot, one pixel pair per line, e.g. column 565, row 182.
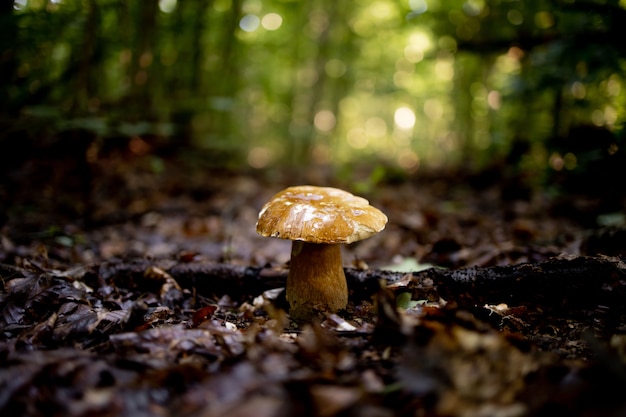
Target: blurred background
column 529, row 95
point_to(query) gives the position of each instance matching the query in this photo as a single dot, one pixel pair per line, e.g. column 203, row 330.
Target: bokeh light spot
column 376, row 127
column 597, row 118
column 610, row 115
column 413, row 54
column 515, row 17
column 473, row 7
column 259, row 157
column 570, row 161
column 613, row 86
column 494, row 100
column 544, row 20
column 357, row 138
column 578, row 90
column 402, row 79
column 307, row 77
column 408, row 160
column 433, row 109
column 420, row 41
column 272, row 21
column 335, row 68
column 418, row 6
column 325, row 120
column 19, row 4
column 167, row 6
column 444, row 68
column 249, row 23
column 556, row 161
column 404, row 118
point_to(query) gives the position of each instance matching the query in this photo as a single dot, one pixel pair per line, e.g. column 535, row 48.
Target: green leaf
column 407, row 265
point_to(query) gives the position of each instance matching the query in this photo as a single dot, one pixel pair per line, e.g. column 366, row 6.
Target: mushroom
column 318, row 220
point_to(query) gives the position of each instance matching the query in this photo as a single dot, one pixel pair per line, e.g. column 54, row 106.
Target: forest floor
column 130, row 293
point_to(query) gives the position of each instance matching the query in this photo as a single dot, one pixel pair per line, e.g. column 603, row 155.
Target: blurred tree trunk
column 230, row 66
column 466, row 72
column 198, row 28
column 8, row 60
column 88, row 61
column 142, row 62
column 188, row 29
column 307, row 100
column 338, row 45
column 291, row 130
column 224, row 82
column 345, row 50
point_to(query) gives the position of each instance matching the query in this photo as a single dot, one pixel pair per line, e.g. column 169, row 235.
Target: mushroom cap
column 319, row 215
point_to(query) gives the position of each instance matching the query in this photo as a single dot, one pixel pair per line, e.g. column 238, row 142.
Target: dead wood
column 564, row 281
column 576, row 282
column 572, row 282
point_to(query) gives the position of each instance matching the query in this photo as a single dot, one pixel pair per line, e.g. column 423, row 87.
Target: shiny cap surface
column 319, row 215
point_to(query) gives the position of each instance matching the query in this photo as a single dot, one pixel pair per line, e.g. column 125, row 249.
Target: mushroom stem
column 316, row 280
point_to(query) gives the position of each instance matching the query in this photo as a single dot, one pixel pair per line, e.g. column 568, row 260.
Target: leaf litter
column 83, row 333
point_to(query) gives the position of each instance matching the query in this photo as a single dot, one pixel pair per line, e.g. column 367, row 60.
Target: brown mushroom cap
column 319, row 215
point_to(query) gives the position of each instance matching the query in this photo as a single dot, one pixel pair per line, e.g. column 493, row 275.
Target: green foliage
column 411, row 84
column 404, row 301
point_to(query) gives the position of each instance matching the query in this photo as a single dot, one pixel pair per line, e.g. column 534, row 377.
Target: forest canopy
column 406, row 84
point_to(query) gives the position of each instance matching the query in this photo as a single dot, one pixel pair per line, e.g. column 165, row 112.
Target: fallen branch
column 575, row 281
